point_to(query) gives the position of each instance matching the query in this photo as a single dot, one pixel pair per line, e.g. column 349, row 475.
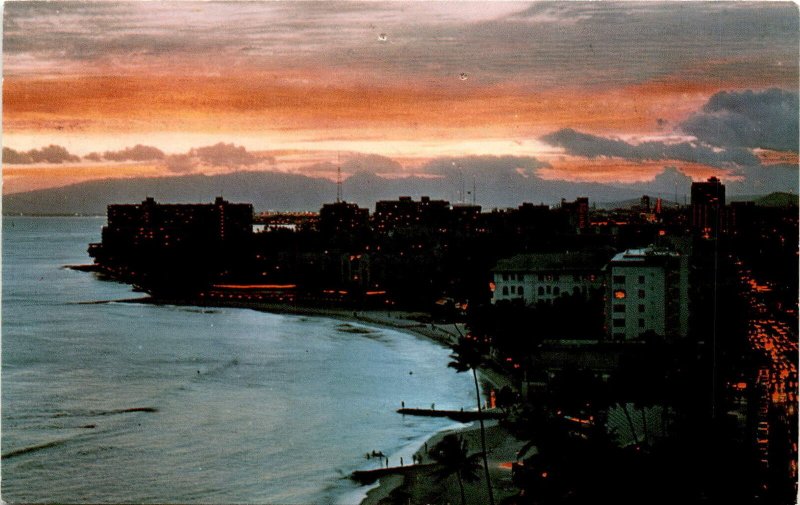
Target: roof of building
column 540, row 262
column 637, row 256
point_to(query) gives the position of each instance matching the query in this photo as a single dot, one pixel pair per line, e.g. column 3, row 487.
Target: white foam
column 356, row 496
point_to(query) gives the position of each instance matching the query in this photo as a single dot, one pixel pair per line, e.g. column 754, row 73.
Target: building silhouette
column 165, row 225
column 342, row 219
column 173, row 247
column 576, row 213
column 708, row 204
column 393, row 215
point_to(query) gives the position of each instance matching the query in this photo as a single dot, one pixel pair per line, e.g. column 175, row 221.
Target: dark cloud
column 180, row 163
column 593, row 146
column 763, row 180
column 224, row 155
column 356, row 163
column 135, row 153
column 218, row 155
column 14, row 157
column 49, row 154
column 52, row 154
column 371, row 163
column 729, row 126
column 748, row 119
column 671, row 183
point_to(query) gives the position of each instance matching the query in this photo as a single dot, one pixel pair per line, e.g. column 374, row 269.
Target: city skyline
column 581, row 92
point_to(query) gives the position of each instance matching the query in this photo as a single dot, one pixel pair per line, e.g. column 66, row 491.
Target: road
column 772, row 334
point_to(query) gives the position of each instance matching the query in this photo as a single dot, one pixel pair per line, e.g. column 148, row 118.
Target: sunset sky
column 606, row 92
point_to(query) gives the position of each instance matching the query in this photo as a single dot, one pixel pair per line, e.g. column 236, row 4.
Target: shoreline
column 408, row 321
column 416, row 483
column 444, row 334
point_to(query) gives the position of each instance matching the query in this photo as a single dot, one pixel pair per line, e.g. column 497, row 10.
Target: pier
column 370, row 476
column 456, row 415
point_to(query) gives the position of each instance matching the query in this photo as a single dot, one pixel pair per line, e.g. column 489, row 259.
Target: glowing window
column 619, row 294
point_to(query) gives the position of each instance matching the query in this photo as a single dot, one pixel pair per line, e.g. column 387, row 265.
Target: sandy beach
column 422, row 487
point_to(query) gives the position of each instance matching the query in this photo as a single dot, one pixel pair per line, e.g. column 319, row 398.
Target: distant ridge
column 635, row 202
column 293, row 192
column 777, row 200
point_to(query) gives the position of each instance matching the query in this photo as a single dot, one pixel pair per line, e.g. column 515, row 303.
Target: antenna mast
column 473, row 191
column 338, row 180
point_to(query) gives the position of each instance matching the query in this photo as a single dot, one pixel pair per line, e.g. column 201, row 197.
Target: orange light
column 255, row 286
column 619, row 294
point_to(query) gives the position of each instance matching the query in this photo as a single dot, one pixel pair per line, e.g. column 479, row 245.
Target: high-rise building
column 392, row 215
column 708, row 204
column 465, row 216
column 156, row 224
column 342, row 219
column 174, row 249
column 577, row 212
column 648, row 292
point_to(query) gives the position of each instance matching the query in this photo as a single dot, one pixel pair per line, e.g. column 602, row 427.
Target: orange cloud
column 261, row 102
column 618, row 170
column 770, row 157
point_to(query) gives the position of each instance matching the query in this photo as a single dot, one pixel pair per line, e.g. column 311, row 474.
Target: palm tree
column 468, row 355
column 452, row 453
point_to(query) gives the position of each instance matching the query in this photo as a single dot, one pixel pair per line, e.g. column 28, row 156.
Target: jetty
column 456, row 415
column 370, row 476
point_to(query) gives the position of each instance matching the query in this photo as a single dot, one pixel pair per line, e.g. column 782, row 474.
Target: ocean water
column 126, row 402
